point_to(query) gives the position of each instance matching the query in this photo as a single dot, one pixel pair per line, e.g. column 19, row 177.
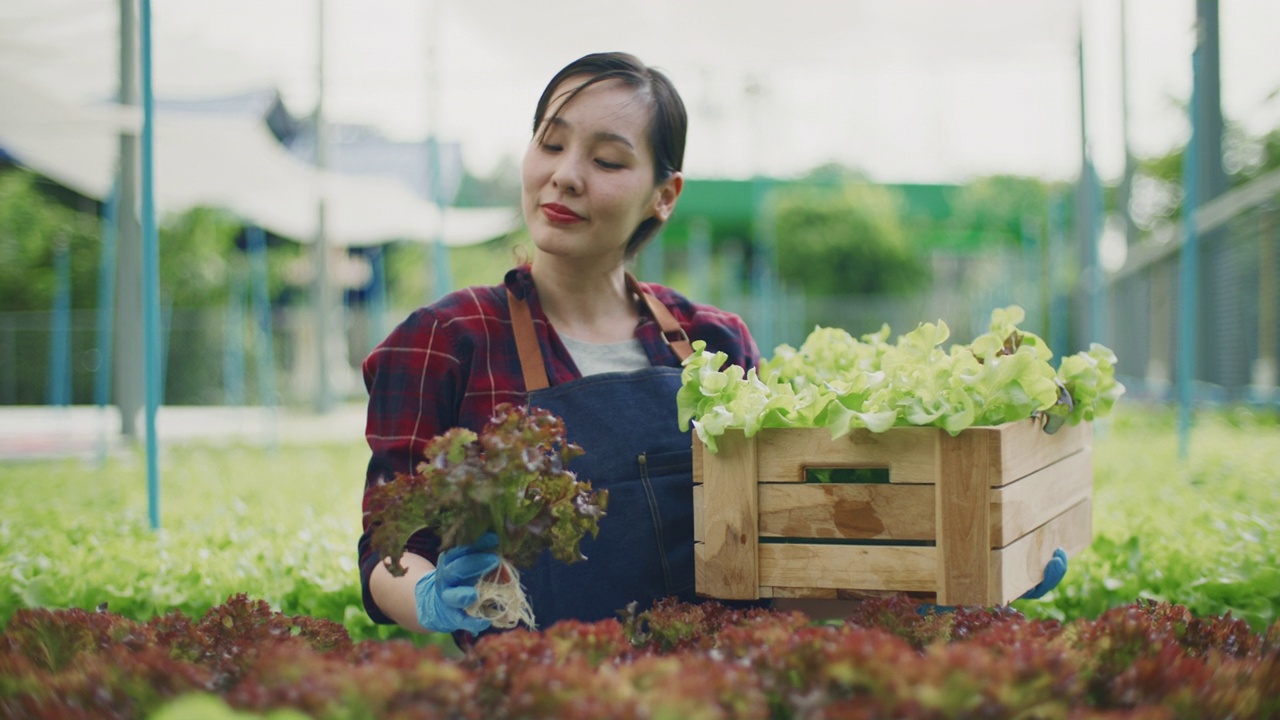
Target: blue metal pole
column 764, row 265
column 166, row 327
column 653, row 260
column 1098, row 326
column 262, row 312
column 1059, row 334
column 732, row 272
column 1188, row 270
column 60, row 345
column 1029, row 264
column 150, row 270
column 377, row 297
column 264, row 350
column 233, row 348
column 440, row 256
column 443, row 275
column 106, row 314
column 700, row 260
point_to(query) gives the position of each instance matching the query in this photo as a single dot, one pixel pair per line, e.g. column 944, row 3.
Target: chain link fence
column 1237, row 342
column 210, row 356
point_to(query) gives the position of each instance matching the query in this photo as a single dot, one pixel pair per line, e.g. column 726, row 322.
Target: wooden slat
column 1023, row 447
column 853, row 567
column 851, row 511
column 1023, row 506
column 841, row 595
column 1019, row 566
column 779, row 593
column 730, row 515
column 910, row 453
column 964, row 529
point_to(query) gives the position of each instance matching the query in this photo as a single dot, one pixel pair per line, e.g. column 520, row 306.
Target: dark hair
column 667, row 122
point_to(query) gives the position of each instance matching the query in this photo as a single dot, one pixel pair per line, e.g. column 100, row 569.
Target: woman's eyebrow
column 598, row 136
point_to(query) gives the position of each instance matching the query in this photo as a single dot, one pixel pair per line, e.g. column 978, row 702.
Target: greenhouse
column 836, row 360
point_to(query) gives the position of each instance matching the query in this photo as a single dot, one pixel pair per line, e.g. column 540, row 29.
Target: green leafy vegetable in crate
column 839, row 382
column 511, row 480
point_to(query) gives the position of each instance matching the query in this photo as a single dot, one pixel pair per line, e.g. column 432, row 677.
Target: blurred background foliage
column 201, row 264
column 848, row 239
column 846, row 251
column 33, row 224
column 1157, row 184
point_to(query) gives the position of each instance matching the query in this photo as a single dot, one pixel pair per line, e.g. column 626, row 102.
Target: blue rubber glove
column 444, row 593
column 1053, row 573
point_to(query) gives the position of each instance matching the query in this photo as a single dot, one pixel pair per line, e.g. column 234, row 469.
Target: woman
column 572, row 333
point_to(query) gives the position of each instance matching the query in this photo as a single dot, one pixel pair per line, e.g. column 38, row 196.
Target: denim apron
column 626, row 422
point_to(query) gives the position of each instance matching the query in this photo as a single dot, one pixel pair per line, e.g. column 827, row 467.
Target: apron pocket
column 668, row 482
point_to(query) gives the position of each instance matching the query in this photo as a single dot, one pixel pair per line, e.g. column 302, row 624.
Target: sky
column 908, row 91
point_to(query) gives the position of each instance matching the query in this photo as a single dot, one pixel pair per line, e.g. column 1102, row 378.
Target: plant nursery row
column 890, row 659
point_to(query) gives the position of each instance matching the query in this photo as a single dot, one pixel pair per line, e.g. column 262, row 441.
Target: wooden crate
column 967, row 520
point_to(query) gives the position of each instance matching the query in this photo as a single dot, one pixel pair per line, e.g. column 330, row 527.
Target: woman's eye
column 551, row 147
column 609, row 165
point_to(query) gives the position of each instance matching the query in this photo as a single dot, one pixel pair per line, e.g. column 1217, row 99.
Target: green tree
column 999, row 210
column 196, row 248
column 36, row 216
column 846, row 239
column 32, row 226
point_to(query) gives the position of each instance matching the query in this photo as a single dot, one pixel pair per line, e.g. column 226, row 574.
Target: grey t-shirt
column 595, row 358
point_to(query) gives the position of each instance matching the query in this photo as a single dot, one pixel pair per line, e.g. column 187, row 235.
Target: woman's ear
column 666, row 194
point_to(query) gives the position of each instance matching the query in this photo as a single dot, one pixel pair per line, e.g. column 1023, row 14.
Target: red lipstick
column 557, row 213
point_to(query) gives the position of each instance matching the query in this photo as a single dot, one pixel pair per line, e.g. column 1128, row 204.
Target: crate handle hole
column 847, row 475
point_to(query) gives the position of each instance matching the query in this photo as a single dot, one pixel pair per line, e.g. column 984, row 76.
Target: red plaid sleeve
column 446, row 366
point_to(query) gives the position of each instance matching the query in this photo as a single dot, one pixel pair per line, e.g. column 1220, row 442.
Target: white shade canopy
column 907, row 91
column 229, row 162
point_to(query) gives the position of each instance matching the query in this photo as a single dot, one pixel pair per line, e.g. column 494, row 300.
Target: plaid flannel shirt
column 451, row 363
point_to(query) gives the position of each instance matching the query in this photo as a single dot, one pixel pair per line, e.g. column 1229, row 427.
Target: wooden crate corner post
column 963, row 553
column 726, row 507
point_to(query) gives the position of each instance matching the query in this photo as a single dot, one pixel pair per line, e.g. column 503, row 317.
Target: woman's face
column 588, row 173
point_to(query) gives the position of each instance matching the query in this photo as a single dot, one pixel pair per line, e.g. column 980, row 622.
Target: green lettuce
column 841, row 383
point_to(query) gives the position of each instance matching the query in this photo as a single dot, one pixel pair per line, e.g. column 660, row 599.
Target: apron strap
column 672, row 334
column 535, row 372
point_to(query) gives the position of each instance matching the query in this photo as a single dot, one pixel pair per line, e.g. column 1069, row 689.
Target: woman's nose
column 567, row 176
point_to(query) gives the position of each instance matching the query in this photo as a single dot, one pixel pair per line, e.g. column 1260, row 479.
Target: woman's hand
column 444, row 593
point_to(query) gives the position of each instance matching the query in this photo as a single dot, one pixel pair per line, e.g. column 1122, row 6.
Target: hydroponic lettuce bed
column 1148, row 660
